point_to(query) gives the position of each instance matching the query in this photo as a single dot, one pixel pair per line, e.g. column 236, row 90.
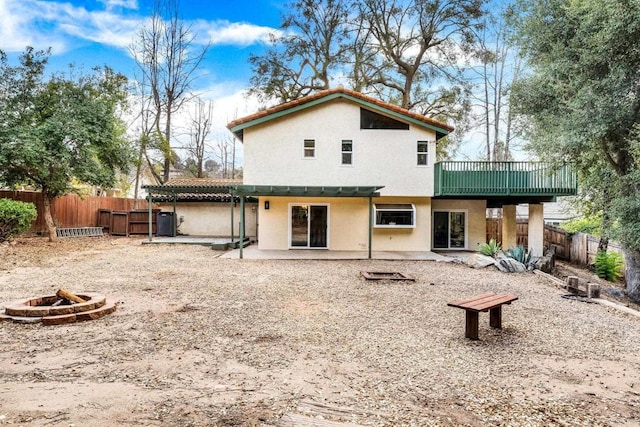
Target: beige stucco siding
column 476, row 218
column 273, row 152
column 348, row 224
column 212, row 218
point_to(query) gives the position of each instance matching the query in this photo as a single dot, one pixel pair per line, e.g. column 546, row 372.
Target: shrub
column 588, row 225
column 609, row 265
column 15, row 218
column 490, row 249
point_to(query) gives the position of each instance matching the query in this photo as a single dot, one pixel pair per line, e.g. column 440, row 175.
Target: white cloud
column 42, row 24
column 127, row 4
column 236, row 33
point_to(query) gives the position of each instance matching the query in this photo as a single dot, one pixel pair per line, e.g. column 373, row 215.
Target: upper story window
column 347, row 152
column 309, row 148
column 423, row 153
column 371, row 120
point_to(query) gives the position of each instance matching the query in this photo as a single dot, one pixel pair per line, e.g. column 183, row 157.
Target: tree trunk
column 48, row 219
column 632, row 273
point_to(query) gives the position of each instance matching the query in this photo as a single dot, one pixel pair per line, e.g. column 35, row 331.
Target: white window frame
column 387, row 207
column 466, row 230
column 312, row 149
column 422, row 153
column 343, row 152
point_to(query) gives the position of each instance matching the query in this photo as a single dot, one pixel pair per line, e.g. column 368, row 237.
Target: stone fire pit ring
column 41, row 309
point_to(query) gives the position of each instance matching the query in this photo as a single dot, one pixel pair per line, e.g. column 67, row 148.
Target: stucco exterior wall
column 348, row 224
column 273, row 152
column 476, row 218
column 212, row 218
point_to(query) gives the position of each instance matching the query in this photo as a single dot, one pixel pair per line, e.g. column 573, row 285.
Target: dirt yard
column 199, row 340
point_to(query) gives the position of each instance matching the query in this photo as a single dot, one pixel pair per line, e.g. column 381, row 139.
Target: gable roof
column 237, row 126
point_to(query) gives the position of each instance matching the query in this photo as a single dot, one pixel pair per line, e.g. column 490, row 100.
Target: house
column 343, row 171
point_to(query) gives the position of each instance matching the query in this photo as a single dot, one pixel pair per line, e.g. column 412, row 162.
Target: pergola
column 241, row 192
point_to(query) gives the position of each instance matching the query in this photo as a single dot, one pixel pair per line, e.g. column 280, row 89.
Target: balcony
column 504, row 182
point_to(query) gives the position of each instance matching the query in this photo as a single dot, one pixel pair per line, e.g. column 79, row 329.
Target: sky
column 100, row 32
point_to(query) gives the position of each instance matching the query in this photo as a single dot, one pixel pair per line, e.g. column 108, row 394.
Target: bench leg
column 471, row 327
column 495, row 317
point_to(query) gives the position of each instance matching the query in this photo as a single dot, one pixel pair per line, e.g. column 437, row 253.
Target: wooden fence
column 72, row 210
column 554, row 237
column 579, row 248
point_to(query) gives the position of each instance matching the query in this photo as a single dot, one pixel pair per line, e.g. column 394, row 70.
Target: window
column 309, row 148
column 423, row 153
column 347, row 152
column 401, row 215
column 371, row 120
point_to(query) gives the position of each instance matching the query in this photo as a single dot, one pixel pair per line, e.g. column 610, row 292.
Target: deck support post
column 536, row 228
column 509, row 227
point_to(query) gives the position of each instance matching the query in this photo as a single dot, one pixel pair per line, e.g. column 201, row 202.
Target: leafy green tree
column 583, row 100
column 57, row 130
column 312, row 46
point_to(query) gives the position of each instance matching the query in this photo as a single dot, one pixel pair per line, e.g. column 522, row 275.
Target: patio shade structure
column 304, row 191
column 198, row 188
column 242, row 192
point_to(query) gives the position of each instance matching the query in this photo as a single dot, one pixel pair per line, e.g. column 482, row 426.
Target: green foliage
column 589, row 225
column 64, row 128
column 520, row 254
column 609, row 265
column 15, row 218
column 490, row 249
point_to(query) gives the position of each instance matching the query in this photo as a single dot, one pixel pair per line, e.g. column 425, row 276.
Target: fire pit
column 62, row 308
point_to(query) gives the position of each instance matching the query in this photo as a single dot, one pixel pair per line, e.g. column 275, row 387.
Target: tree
column 55, row 131
column 200, row 122
column 311, row 46
column 498, row 67
column 166, row 54
column 583, row 101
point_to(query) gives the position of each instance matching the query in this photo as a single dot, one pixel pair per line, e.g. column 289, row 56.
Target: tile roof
column 333, row 93
column 202, row 182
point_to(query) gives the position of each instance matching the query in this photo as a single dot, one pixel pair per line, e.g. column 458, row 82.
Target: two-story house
column 342, row 171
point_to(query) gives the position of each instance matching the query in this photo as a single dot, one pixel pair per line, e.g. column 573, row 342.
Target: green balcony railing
column 504, row 179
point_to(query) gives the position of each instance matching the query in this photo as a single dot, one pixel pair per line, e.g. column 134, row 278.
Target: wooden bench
column 485, row 302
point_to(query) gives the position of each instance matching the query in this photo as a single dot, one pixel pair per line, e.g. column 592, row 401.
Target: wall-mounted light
column 266, row 205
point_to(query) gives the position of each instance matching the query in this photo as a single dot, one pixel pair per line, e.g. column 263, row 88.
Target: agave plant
column 520, row 254
column 490, row 249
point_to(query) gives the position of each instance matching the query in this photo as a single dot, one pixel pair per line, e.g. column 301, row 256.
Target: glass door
column 308, row 226
column 449, row 230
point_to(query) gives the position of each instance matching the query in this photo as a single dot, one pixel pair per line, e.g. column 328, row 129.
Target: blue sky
column 97, row 32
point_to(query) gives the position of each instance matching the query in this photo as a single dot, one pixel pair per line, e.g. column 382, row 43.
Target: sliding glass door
column 308, row 226
column 449, row 229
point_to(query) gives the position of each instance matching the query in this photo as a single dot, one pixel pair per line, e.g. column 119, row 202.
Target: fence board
column 71, row 210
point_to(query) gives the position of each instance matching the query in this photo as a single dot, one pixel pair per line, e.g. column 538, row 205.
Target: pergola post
column 150, row 203
column 370, row 224
column 175, row 219
column 241, row 225
column 232, row 206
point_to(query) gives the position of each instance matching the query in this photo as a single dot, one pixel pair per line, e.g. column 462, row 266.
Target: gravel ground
column 199, row 340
